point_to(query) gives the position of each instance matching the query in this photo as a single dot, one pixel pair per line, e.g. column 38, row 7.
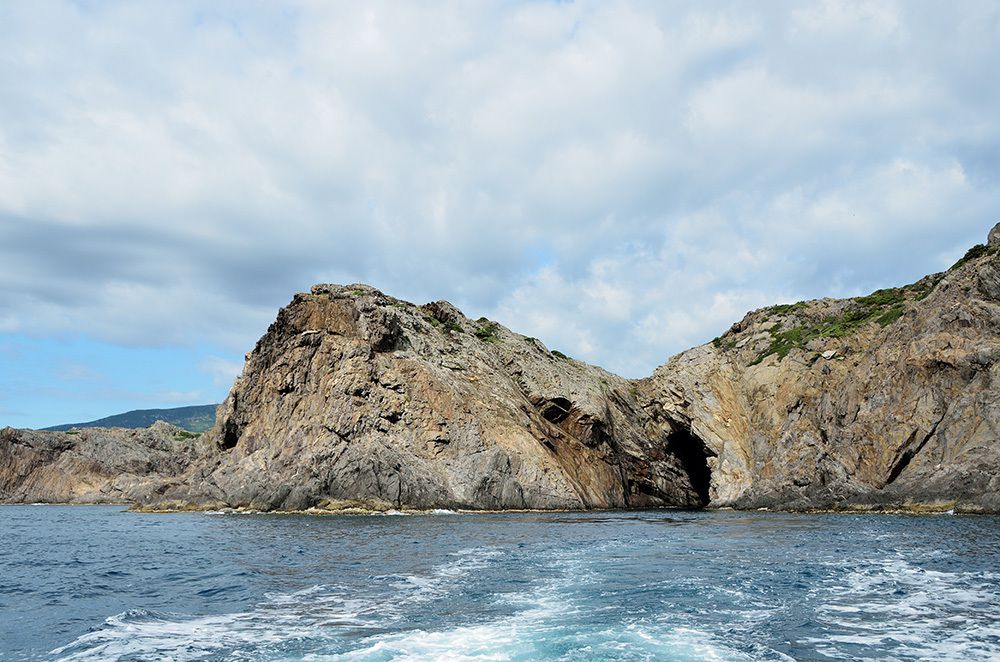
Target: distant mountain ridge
column 195, row 418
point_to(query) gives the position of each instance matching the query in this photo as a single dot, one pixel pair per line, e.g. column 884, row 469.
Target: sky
column 622, row 180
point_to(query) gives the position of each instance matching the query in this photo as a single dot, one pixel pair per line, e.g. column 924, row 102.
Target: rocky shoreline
column 914, row 509
column 887, row 402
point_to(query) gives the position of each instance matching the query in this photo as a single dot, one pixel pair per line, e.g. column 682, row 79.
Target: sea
column 101, row 583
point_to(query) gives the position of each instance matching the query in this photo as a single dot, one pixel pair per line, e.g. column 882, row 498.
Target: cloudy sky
column 621, row 180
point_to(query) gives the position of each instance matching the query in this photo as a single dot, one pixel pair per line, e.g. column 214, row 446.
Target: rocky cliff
column 354, row 398
column 889, row 400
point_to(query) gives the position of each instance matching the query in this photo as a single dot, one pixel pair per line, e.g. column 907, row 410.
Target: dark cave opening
column 556, row 409
column 693, row 454
column 230, row 435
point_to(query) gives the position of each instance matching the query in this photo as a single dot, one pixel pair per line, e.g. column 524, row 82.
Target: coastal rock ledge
column 355, row 399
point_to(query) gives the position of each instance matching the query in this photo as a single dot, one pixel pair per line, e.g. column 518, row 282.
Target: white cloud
column 176, row 397
column 222, row 371
column 621, row 180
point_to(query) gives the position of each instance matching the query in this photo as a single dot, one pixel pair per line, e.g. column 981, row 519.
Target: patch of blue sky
column 539, row 256
column 54, row 380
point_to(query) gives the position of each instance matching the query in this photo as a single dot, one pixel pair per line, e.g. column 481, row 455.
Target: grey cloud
column 619, row 179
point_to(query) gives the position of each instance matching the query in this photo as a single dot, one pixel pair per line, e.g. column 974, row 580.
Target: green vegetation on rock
column 977, row 251
column 785, row 308
column 785, row 341
column 891, row 315
column 487, row 331
column 724, row 343
column 445, row 325
column 882, row 306
column 923, row 287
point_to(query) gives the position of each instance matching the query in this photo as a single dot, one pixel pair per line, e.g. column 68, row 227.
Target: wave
column 550, row 621
column 547, row 627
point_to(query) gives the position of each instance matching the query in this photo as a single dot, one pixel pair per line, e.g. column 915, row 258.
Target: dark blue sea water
column 97, row 583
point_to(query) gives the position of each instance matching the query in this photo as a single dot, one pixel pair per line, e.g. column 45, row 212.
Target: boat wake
column 331, row 622
column 921, row 613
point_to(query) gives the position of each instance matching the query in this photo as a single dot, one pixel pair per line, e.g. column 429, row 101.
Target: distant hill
column 196, row 418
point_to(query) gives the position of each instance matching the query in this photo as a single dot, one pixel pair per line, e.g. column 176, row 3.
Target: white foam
column 548, row 623
column 927, row 614
column 546, row 627
column 316, row 613
column 890, row 606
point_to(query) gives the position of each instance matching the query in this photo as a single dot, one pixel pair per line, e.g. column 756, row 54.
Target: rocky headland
column 355, row 399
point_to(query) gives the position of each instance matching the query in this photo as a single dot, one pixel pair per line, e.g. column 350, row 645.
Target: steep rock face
column 353, row 396
column 97, row 465
column 891, row 400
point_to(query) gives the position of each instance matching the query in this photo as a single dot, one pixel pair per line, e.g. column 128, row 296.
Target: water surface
column 97, row 583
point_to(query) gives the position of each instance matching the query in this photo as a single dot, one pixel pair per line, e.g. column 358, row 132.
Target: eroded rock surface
column 353, row 396
column 93, row 465
column 891, row 400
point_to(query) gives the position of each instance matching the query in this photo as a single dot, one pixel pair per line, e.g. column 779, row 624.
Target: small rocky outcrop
column 993, row 240
column 93, row 465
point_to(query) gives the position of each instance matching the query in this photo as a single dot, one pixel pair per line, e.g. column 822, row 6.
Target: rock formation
column 354, row 398
column 94, row 465
column 890, row 400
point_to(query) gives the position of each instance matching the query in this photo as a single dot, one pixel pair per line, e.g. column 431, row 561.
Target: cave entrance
column 230, row 435
column 556, row 409
column 693, row 454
